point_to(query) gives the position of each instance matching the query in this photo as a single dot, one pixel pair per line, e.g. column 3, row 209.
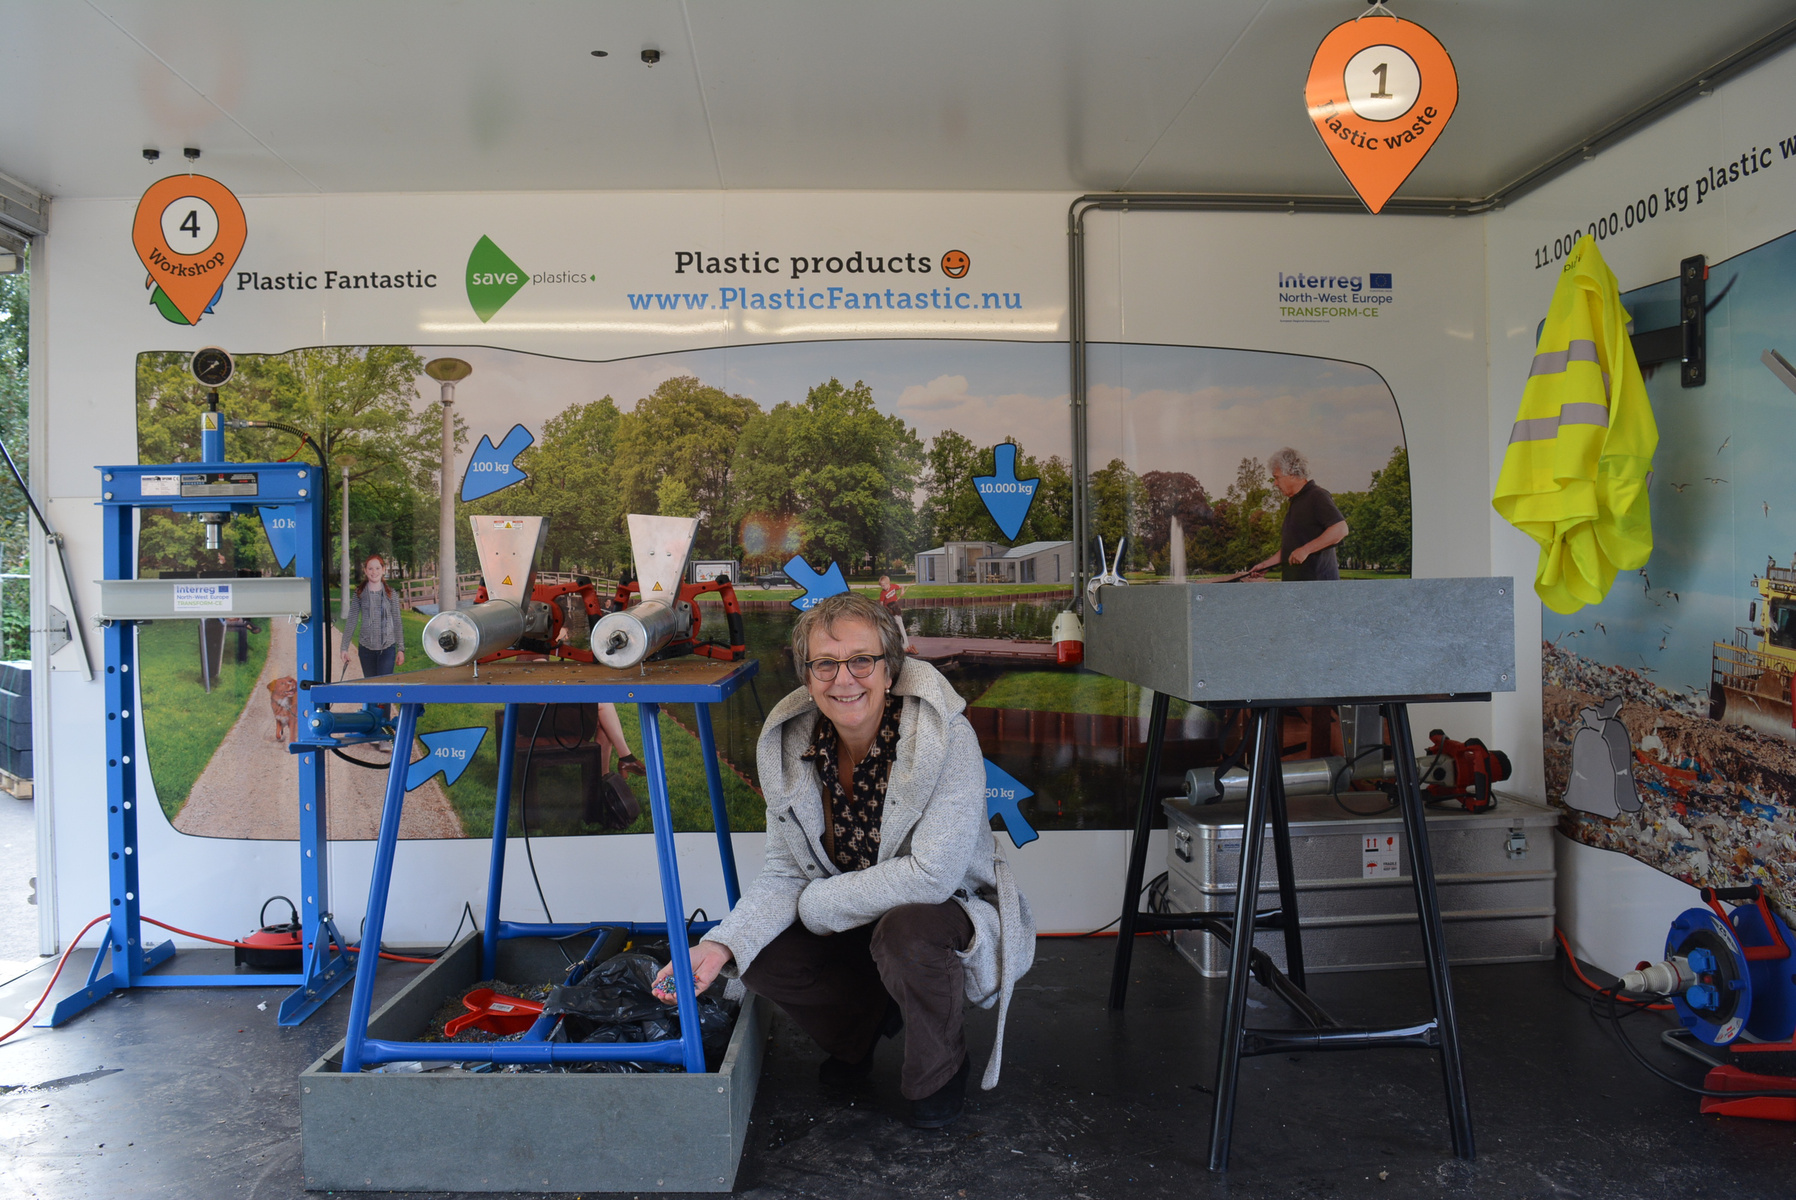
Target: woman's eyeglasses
column 860, row 666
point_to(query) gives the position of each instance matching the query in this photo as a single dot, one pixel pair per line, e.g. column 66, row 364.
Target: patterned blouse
column 854, row 820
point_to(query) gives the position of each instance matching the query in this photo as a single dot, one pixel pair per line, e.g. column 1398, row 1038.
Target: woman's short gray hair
column 831, row 611
column 1289, row 462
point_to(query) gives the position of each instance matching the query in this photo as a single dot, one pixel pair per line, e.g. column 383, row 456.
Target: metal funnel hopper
column 507, row 547
column 661, row 546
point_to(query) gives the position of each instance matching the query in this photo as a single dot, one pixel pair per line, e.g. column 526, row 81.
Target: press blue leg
column 495, row 871
column 385, row 845
column 671, row 902
column 720, row 815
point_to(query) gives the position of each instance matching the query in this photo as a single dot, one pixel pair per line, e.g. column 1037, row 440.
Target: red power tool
column 1474, row 767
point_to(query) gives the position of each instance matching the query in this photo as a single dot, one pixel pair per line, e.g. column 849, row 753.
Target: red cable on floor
column 1579, row 972
column 59, row 966
column 63, row 961
column 390, row 957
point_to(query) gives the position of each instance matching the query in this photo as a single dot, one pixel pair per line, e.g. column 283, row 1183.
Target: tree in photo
column 1117, row 510
column 1381, row 536
column 688, row 431
column 1171, row 494
column 568, row 474
column 843, row 469
column 1245, row 524
column 15, row 407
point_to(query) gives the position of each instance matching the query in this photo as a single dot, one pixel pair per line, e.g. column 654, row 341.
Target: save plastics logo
column 493, row 278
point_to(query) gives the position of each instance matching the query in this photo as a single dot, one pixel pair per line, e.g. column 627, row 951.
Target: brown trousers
column 837, row 988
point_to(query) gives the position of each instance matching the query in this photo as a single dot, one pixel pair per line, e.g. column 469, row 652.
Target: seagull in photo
column 1663, row 640
column 1723, row 445
column 1601, row 630
column 1767, row 505
column 1674, row 595
column 1679, row 488
column 1712, row 479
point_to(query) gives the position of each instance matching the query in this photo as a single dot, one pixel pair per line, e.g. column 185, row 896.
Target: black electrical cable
column 1609, row 994
column 467, row 914
column 524, row 822
column 1107, row 924
column 1334, row 784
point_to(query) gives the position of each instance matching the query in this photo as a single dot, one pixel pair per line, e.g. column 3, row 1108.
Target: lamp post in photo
column 447, row 371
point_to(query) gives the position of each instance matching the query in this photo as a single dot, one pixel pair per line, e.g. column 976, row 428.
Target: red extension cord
column 63, row 961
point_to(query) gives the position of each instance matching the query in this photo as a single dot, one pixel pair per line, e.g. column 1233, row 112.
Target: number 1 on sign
column 1380, row 70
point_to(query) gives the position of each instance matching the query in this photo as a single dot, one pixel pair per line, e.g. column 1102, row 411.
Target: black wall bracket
column 1687, row 341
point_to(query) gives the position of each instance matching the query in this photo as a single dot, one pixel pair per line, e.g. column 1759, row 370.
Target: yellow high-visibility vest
column 1575, row 475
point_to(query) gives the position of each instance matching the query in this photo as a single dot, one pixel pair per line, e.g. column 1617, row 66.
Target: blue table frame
column 700, row 682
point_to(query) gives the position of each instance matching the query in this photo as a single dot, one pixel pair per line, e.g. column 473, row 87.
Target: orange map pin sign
column 189, row 231
column 1380, row 91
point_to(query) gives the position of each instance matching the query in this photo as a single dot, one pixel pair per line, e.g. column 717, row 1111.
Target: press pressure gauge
column 212, row 366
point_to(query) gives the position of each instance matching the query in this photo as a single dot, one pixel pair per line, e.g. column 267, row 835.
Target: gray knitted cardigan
column 936, row 844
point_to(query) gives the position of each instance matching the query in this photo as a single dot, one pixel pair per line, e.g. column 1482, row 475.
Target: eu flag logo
column 1381, row 281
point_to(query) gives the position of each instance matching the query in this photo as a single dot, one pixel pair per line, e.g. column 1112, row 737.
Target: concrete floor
column 192, row 1094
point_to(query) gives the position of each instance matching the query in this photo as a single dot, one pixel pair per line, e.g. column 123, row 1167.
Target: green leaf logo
column 492, row 278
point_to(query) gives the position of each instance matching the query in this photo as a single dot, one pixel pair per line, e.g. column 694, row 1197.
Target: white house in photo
column 954, row 562
column 1032, row 562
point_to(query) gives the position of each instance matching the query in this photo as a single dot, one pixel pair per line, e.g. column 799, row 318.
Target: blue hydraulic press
column 289, row 497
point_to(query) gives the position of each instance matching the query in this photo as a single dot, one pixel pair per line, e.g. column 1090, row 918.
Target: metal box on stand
column 1494, row 871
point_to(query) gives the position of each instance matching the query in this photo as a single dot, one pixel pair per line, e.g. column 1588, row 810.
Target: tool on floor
column 272, row 947
column 1728, row 976
column 494, row 1012
column 1462, row 771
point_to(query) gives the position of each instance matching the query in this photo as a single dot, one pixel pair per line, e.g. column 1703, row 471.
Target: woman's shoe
column 942, row 1106
column 629, row 764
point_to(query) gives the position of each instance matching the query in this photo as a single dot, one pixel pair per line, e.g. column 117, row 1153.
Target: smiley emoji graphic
column 955, row 264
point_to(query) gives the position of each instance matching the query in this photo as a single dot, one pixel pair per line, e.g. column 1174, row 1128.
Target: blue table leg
column 495, row 872
column 720, row 815
column 385, row 844
column 671, row 902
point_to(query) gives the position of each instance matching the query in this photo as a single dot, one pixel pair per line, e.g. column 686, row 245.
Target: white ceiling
column 1054, row 95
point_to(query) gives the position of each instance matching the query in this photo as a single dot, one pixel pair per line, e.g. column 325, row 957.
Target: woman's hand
column 346, row 654
column 399, row 659
column 708, row 958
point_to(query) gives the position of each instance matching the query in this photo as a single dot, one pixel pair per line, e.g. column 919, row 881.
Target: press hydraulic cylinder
column 463, row 635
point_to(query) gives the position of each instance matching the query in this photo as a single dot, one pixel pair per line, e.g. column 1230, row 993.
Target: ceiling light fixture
column 151, row 154
column 600, row 53
column 651, row 56
column 191, row 153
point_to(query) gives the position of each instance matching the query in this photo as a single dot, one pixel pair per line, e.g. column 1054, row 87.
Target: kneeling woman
column 883, row 902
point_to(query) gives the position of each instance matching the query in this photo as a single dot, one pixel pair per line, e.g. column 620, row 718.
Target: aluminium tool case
column 1494, row 872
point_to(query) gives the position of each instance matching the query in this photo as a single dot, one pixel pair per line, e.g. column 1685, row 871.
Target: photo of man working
column 1313, row 525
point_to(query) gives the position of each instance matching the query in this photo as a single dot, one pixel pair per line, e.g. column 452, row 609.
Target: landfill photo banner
column 1667, row 714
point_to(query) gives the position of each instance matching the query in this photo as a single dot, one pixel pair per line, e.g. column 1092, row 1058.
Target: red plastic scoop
column 497, row 1014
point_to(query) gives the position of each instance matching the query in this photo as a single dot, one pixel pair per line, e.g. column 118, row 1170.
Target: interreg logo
column 493, row 278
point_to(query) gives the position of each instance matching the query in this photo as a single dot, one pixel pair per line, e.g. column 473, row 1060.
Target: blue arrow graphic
column 1006, row 497
column 815, row 586
column 449, row 751
column 1002, row 794
column 492, row 469
column 281, row 525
